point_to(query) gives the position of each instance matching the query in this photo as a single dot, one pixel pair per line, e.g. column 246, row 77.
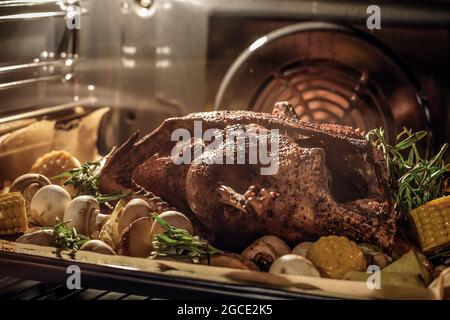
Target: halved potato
column 136, row 240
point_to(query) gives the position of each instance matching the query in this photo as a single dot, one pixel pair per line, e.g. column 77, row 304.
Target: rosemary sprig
column 176, row 242
column 67, row 238
column 414, row 179
column 86, row 181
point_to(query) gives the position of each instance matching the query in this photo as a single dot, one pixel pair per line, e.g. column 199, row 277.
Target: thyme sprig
column 176, row 242
column 67, row 238
column 414, row 178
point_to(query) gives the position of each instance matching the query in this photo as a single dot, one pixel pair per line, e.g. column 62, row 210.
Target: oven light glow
column 163, row 50
column 69, row 62
column 162, row 64
column 258, row 43
column 129, row 50
column 167, row 5
column 128, row 63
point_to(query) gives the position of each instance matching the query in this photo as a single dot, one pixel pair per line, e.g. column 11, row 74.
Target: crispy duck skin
column 330, row 181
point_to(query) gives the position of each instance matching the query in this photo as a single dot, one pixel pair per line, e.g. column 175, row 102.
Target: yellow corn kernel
column 431, row 222
column 13, row 216
column 53, row 163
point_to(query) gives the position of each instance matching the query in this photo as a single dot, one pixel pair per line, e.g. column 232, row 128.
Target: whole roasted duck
column 329, row 180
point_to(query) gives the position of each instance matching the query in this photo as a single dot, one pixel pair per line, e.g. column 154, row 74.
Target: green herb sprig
column 67, row 238
column 176, row 242
column 414, row 178
column 85, row 180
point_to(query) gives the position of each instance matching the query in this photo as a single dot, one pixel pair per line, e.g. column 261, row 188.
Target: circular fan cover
column 330, row 74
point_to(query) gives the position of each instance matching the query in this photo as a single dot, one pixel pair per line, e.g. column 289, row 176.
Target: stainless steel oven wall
column 175, row 53
column 160, row 58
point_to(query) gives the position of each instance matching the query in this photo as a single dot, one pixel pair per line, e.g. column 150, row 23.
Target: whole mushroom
column 97, row 246
column 43, row 237
column 175, row 219
column 295, row 265
column 28, row 184
column 265, row 250
column 302, row 248
column 135, row 209
column 83, row 214
column 48, row 205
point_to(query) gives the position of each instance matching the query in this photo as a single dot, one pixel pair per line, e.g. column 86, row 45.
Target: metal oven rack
column 97, row 279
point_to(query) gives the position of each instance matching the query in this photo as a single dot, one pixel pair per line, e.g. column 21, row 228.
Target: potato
column 389, row 278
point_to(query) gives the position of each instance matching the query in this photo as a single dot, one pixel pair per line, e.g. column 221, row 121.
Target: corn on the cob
column 13, row 216
column 432, row 224
column 53, row 163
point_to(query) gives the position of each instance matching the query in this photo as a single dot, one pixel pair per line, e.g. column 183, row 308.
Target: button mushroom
column 43, row 237
column 295, row 265
column 97, row 246
column 175, row 219
column 135, row 209
column 265, row 250
column 28, row 184
column 135, row 240
column 48, row 204
column 83, row 214
column 302, row 248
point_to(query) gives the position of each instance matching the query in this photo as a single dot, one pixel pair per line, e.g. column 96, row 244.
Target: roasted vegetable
column 13, row 216
column 97, row 246
column 265, row 250
column 48, row 204
column 334, row 256
column 410, row 263
column 110, row 231
column 295, row 265
column 389, row 278
column 431, row 222
column 55, row 162
column 28, row 184
column 136, row 240
column 135, row 209
column 175, row 242
column 42, row 237
column 83, row 214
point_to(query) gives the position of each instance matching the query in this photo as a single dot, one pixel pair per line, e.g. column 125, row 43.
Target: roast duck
column 330, row 180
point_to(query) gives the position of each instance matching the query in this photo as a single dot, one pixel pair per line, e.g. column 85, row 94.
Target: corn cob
column 431, row 222
column 13, row 216
column 53, row 163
